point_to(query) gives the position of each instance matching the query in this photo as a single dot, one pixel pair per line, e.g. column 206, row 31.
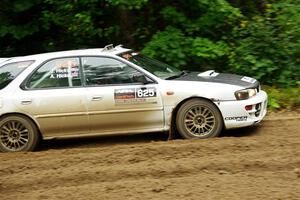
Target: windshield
column 10, row 71
column 156, row 67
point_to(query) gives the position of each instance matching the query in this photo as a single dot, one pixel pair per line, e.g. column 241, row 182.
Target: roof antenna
column 108, row 47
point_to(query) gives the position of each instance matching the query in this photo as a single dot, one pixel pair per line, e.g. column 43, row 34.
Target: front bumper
column 235, row 114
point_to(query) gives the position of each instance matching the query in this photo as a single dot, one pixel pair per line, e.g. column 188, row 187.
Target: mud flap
column 172, row 130
column 171, row 134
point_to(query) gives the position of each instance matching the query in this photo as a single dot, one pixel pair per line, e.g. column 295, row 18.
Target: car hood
column 212, row 76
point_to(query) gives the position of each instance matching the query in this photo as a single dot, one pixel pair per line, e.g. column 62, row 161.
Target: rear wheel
column 199, row 118
column 18, row 133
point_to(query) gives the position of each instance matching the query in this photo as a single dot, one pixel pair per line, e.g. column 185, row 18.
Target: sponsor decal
column 238, row 119
column 248, row 79
column 135, row 95
column 128, row 93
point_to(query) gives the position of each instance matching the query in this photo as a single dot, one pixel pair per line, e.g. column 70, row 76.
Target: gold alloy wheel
column 199, row 120
column 14, row 135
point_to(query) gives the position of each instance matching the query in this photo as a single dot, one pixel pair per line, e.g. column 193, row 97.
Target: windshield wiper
column 183, row 73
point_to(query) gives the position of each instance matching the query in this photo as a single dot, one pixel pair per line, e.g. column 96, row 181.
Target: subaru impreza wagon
column 114, row 90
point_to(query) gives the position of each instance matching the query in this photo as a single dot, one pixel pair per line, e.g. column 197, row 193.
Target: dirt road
column 261, row 162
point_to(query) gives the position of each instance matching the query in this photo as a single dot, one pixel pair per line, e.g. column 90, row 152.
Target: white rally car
column 114, row 90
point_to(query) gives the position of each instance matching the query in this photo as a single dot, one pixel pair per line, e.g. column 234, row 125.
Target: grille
column 258, row 109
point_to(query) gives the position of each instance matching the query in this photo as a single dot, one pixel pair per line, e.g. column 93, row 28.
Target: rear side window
column 10, row 71
column 57, row 73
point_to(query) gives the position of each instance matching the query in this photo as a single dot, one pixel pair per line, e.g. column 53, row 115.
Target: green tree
column 17, row 29
column 257, row 38
column 268, row 46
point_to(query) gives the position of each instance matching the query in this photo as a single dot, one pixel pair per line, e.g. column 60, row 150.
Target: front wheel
column 199, row 118
column 18, row 133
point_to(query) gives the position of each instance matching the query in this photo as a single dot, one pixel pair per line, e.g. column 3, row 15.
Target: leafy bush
column 193, row 36
column 169, row 45
column 280, row 98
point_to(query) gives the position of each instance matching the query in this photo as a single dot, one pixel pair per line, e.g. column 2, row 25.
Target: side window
column 63, row 72
column 103, row 71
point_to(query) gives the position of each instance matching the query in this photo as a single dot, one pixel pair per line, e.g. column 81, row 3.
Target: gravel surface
column 260, row 162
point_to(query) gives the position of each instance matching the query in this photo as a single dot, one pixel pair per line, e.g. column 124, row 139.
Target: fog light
column 249, row 107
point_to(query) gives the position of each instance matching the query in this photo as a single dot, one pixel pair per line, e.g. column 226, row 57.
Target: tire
column 199, row 118
column 18, row 133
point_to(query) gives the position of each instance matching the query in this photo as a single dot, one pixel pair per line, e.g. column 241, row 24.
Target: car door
column 54, row 96
column 118, row 100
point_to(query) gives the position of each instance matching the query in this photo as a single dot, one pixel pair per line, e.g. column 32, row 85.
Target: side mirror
column 141, row 78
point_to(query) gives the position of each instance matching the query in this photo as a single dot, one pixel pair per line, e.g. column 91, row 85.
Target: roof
column 107, row 50
column 3, row 59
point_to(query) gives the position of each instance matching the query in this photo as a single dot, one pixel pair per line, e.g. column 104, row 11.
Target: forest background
column 258, row 38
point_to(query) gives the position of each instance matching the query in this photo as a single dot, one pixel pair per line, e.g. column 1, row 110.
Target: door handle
column 26, row 101
column 97, row 98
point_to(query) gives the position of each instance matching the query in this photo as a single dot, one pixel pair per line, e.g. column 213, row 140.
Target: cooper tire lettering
column 238, row 119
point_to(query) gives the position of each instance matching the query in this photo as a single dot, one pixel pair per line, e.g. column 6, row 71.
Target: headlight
column 245, row 94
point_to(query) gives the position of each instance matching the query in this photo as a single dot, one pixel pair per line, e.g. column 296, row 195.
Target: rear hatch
column 10, row 71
